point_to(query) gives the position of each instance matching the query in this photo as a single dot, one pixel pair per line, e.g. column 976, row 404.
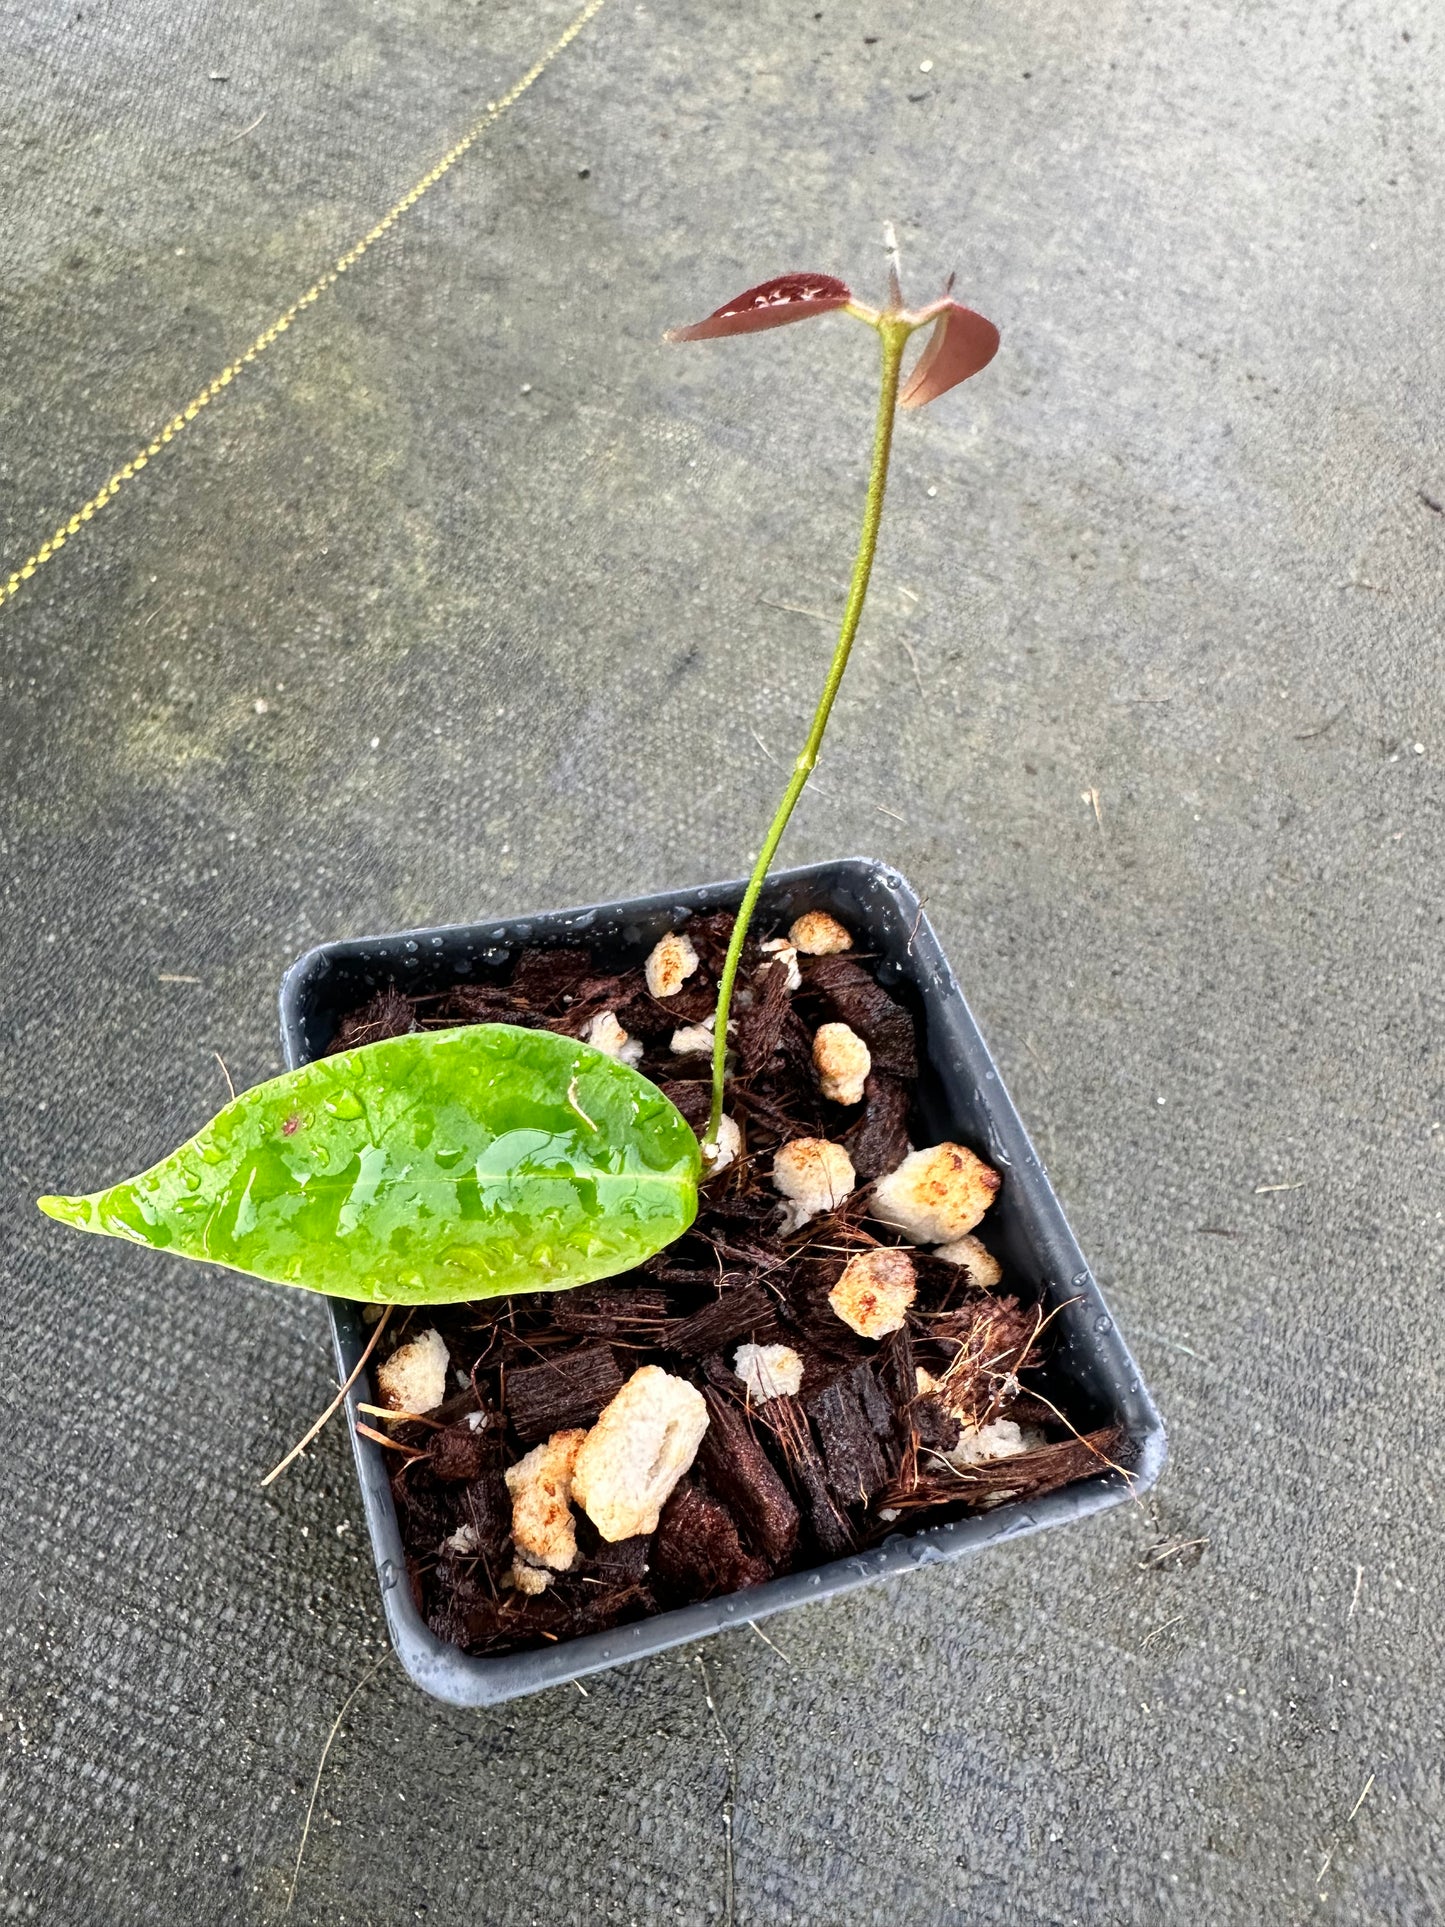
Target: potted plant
column 702, row 1261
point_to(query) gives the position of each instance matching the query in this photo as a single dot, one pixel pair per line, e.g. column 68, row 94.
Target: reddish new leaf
column 772, row 304
column 962, row 342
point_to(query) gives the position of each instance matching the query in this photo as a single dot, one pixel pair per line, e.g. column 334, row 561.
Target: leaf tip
column 66, row 1210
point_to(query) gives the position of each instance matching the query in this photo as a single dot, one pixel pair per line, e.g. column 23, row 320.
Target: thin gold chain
column 10, row 586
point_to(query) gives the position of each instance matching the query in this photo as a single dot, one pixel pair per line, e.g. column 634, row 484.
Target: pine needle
column 367, row 1676
column 335, row 1405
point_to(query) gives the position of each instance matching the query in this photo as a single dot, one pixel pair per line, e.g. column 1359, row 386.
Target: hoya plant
column 463, row 1164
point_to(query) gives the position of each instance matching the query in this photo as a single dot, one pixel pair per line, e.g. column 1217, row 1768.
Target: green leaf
column 427, row 1169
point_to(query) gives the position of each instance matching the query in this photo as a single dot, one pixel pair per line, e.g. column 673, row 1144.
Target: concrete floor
column 469, row 598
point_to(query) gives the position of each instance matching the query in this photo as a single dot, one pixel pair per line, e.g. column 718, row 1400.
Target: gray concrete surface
column 466, row 600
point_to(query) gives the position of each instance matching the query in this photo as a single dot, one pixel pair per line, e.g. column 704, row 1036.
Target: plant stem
column 893, row 332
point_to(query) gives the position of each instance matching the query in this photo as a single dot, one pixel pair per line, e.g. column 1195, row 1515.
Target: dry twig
column 381, row 1438
column 368, row 1675
column 1330, row 1851
column 1355, row 1597
column 334, row 1406
column 728, row 1796
column 767, row 1642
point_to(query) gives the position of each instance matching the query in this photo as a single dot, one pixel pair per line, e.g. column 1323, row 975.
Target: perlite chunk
column 694, row 1040
column 842, row 1061
column 981, row 1444
column 670, row 963
column 814, row 1176
column 779, row 950
column 817, row 934
column 543, row 1529
column 936, row 1195
column 729, row 1143
column 604, row 1033
column 529, row 1580
column 874, row 1292
column 414, row 1378
column 768, row 1371
column 984, row 1270
column 637, row 1451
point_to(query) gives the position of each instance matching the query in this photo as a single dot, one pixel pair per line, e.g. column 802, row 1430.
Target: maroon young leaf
column 772, row 304
column 962, row 342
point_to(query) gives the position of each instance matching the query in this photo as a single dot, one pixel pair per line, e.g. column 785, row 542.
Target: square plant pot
column 960, row 1095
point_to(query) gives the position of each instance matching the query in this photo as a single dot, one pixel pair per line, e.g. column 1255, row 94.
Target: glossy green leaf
column 427, row 1169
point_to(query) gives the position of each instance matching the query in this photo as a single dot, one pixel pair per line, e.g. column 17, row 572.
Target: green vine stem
column 893, row 331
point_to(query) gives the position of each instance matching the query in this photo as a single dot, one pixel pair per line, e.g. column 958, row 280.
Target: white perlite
column 670, row 964
column 779, row 951
column 936, row 1195
column 729, row 1143
column 414, row 1378
column 842, row 1061
column 543, row 1529
column 637, row 1451
column 530, row 1580
column 814, row 1176
column 984, row 1270
column 693, row 1040
column 978, row 1445
column 874, row 1292
column 768, row 1371
column 604, row 1033
column 817, row 934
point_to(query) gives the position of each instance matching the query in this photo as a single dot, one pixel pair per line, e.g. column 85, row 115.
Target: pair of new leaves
column 961, row 343
column 464, row 1164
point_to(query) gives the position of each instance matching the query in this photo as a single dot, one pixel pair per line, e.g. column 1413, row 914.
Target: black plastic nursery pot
column 960, row 1096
